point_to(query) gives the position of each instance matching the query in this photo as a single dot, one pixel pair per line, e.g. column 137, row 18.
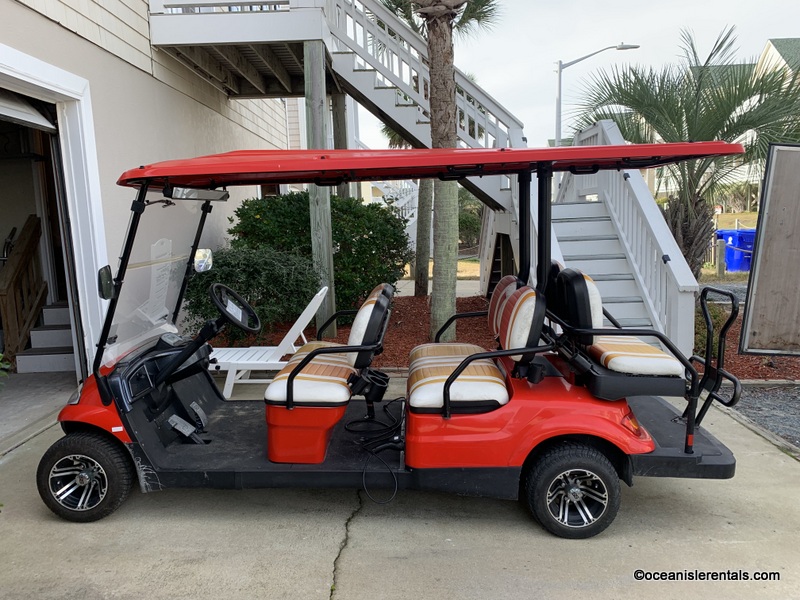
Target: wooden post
column 720, row 258
column 339, row 109
column 319, row 197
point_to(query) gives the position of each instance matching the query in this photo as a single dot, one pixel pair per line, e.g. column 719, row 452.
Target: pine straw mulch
column 410, row 321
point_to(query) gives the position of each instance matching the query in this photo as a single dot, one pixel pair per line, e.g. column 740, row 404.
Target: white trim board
column 24, row 74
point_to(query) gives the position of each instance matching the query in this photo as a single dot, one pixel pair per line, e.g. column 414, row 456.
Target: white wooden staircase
column 51, row 343
column 589, row 242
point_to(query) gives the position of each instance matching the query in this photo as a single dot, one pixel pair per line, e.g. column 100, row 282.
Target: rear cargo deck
column 711, row 459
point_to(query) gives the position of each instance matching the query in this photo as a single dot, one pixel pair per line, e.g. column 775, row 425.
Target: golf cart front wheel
column 84, row 477
column 573, row 491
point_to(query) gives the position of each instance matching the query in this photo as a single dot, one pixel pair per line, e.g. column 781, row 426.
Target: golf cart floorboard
column 711, row 459
column 236, row 437
column 236, row 457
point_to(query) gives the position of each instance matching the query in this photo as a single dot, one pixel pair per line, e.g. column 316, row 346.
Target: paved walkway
column 302, row 544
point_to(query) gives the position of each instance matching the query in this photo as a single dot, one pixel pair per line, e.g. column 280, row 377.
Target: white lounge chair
column 240, row 362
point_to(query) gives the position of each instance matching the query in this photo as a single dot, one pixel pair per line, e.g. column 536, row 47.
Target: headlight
column 76, row 395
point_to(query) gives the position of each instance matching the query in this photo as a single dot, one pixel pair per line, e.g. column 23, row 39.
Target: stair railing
column 384, row 43
column 22, row 289
column 664, row 277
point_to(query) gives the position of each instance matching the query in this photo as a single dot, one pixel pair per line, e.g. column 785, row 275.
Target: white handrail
column 383, row 42
column 664, row 276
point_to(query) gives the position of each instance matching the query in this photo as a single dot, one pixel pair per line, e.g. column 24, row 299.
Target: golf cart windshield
column 156, row 269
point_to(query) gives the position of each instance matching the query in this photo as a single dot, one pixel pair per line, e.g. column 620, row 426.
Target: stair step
column 575, row 257
column 617, row 288
column 613, row 277
column 606, row 245
column 626, row 322
column 583, row 227
column 49, row 336
column 46, row 360
column 620, row 299
column 579, row 218
column 56, row 314
column 587, row 238
column 628, row 310
column 576, row 209
column 598, row 266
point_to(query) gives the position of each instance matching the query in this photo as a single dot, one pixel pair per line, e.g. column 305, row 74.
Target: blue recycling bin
column 738, row 248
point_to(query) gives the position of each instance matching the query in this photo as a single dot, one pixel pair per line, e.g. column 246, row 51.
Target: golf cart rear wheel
column 84, row 477
column 573, row 491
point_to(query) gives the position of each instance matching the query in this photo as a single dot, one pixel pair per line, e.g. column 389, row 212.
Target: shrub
column 370, row 245
column 278, row 285
column 5, row 367
column 718, row 316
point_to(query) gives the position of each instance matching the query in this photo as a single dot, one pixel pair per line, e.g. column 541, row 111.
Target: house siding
column 146, row 106
column 121, row 27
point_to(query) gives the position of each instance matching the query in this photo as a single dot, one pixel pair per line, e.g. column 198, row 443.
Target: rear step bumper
column 711, row 458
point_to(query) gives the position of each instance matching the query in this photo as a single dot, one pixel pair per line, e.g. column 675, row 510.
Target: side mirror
column 105, row 283
column 203, row 260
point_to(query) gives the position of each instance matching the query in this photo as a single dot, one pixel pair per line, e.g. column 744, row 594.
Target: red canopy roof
column 250, row 167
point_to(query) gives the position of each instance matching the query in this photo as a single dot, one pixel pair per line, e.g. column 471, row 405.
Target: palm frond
column 477, row 14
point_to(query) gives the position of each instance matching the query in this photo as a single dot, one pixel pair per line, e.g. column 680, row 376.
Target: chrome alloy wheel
column 577, row 498
column 78, row 482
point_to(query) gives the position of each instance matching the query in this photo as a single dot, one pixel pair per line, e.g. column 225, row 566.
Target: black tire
column 84, row 477
column 573, row 491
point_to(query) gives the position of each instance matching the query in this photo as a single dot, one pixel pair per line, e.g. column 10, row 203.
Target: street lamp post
column 564, row 65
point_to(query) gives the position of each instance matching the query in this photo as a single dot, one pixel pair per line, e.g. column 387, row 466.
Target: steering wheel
column 234, row 308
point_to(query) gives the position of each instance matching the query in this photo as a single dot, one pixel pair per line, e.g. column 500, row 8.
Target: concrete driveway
column 318, row 544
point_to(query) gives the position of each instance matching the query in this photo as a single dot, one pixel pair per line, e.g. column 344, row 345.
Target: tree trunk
column 423, row 250
column 443, row 135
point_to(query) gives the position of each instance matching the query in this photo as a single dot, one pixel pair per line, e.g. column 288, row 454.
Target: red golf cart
column 556, row 415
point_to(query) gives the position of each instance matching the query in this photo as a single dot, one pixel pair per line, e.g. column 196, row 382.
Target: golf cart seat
column 481, row 387
column 619, row 365
column 310, row 394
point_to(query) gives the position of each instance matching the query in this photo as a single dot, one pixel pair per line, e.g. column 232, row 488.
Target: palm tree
column 436, row 20
column 422, row 251
column 698, row 100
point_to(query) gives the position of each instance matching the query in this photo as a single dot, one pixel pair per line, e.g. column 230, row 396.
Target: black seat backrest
column 577, row 309
column 377, row 304
column 552, row 293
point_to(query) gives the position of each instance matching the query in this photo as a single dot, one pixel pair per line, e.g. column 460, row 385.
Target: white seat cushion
column 627, row 354
column 321, row 382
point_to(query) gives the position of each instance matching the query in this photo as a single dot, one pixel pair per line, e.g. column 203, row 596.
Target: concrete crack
column 344, row 541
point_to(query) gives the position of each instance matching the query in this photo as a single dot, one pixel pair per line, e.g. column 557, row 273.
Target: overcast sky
column 515, row 62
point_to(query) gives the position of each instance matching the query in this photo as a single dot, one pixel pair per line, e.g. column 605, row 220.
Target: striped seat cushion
column 480, row 382
column 441, row 351
column 627, row 354
column 502, row 292
column 321, row 382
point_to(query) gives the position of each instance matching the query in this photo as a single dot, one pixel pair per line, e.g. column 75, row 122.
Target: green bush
column 4, row 368
column 718, row 316
column 370, row 245
column 278, row 285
